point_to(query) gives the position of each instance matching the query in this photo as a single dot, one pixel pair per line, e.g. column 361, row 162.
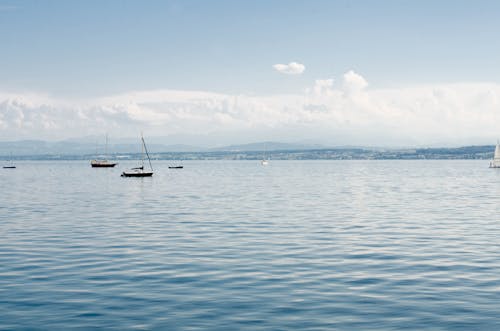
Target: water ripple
column 309, row 245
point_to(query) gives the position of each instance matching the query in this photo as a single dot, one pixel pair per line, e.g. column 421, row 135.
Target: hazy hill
column 67, row 147
column 84, row 149
column 87, row 146
column 268, row 146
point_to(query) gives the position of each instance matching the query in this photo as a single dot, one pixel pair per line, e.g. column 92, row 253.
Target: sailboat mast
column 106, row 148
column 142, row 151
column 149, row 159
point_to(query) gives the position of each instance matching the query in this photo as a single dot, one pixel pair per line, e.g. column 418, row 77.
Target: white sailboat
column 495, row 163
column 104, row 162
column 140, row 171
column 265, row 160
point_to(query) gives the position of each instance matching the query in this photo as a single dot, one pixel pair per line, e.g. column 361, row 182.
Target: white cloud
column 322, row 87
column 354, row 82
column 348, row 114
column 292, row 68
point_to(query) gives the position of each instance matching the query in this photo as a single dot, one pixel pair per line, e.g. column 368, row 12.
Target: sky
column 385, row 73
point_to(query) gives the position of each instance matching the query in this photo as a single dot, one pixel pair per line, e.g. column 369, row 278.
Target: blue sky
column 55, row 52
column 98, row 47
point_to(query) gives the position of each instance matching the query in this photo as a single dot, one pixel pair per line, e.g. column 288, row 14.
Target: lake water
column 228, row 245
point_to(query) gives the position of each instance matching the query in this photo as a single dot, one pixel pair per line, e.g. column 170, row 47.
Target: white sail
column 265, row 160
column 497, row 152
column 495, row 163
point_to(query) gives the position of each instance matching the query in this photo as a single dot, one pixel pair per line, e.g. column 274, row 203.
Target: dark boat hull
column 137, row 174
column 9, row 167
column 108, row 165
column 176, row 167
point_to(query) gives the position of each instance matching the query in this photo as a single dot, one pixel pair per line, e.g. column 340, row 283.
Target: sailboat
column 10, row 165
column 103, row 163
column 139, row 171
column 176, row 166
column 264, row 160
column 495, row 163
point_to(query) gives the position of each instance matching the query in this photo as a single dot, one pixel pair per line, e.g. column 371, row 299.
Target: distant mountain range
column 85, row 147
column 268, row 146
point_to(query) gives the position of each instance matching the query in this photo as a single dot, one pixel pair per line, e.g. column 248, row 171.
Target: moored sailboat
column 10, row 165
column 104, row 162
column 495, row 163
column 140, row 171
column 265, row 160
column 176, row 166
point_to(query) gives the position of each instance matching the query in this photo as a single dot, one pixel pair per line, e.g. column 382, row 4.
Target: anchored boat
column 140, row 171
column 104, row 162
column 10, row 165
column 495, row 163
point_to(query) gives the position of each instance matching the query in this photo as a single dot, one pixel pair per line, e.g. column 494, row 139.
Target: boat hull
column 9, row 167
column 102, row 164
column 136, row 174
column 176, row 167
column 108, row 165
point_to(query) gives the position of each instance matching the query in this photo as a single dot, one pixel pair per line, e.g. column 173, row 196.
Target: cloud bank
column 292, row 68
column 336, row 113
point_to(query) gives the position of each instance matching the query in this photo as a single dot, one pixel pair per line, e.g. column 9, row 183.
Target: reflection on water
column 234, row 245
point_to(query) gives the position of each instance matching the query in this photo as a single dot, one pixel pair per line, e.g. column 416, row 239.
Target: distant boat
column 264, row 160
column 139, row 171
column 176, row 165
column 10, row 165
column 104, row 162
column 495, row 163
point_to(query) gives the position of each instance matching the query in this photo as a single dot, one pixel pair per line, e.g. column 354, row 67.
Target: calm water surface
column 227, row 245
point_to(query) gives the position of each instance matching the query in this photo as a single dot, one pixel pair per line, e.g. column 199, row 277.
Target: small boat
column 176, row 167
column 264, row 160
column 139, row 171
column 103, row 163
column 10, row 165
column 495, row 163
